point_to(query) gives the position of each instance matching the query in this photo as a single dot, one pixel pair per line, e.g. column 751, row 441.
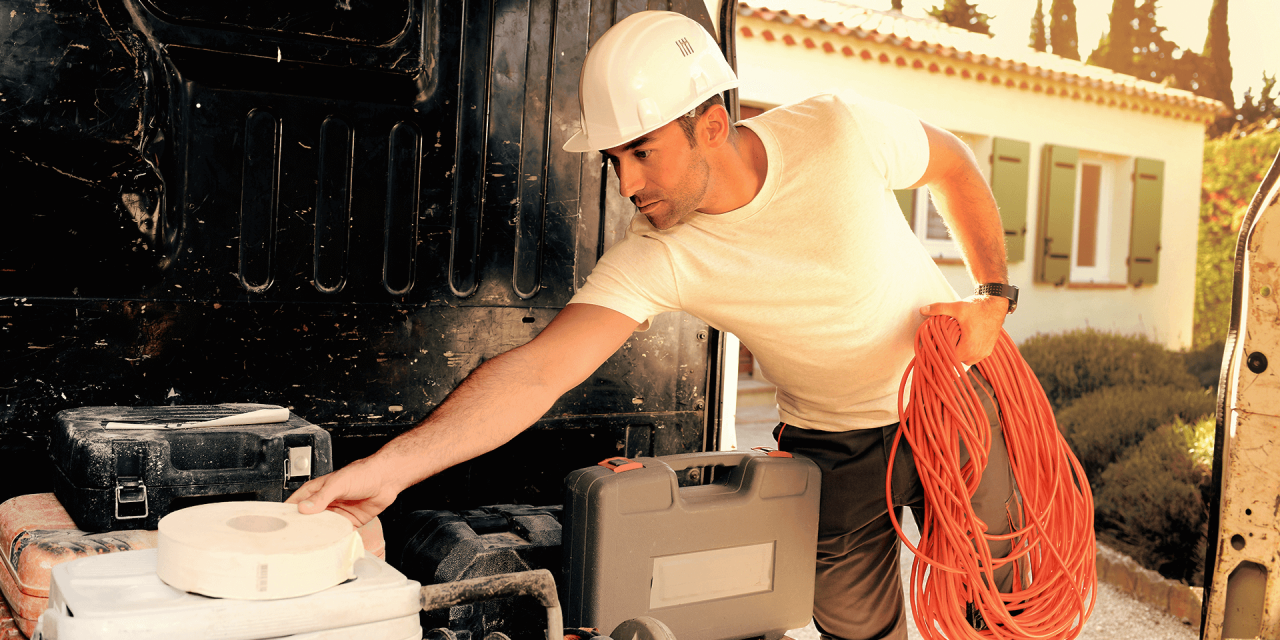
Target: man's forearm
column 495, row 402
column 970, row 211
column 965, row 202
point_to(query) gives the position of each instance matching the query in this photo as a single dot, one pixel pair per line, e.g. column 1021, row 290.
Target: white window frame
column 1109, row 170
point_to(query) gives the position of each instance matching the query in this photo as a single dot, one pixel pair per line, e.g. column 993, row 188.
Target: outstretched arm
column 498, row 400
column 965, row 202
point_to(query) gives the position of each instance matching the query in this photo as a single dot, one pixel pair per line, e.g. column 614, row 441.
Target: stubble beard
column 682, row 202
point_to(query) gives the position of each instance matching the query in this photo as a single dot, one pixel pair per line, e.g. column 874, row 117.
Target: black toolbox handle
column 537, row 583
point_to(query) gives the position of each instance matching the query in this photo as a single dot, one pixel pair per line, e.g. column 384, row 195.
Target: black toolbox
column 449, row 546
column 111, row 479
column 726, row 560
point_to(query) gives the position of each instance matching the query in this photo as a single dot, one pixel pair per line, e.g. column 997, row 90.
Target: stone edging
column 1147, row 586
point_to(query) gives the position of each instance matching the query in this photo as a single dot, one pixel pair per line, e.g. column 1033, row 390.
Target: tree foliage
column 1135, row 45
column 1115, row 49
column 1062, row 29
column 1039, row 39
column 1233, row 168
column 963, row 14
column 1217, row 55
column 1261, row 115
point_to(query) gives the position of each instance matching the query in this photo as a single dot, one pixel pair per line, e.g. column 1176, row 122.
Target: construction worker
column 785, row 231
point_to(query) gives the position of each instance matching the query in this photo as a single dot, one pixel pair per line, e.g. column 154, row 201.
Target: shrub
column 1152, row 500
column 1074, row 363
column 1103, row 425
column 1205, row 364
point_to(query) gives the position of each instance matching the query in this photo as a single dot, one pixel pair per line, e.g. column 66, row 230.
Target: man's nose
column 629, row 179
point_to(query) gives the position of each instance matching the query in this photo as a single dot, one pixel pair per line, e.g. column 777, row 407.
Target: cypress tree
column 1039, row 41
column 960, row 13
column 1062, row 29
column 1217, row 55
column 1115, row 48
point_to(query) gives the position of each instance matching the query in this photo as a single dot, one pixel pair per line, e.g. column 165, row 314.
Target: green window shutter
column 1144, row 235
column 1010, row 175
column 906, row 202
column 1057, row 213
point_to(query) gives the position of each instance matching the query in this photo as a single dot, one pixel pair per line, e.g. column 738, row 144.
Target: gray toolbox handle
column 683, row 461
column 537, row 584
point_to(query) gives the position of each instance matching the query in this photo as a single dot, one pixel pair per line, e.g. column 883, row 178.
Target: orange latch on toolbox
column 771, row 452
column 620, row 464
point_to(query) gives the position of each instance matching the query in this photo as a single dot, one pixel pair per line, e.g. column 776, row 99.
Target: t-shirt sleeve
column 895, row 138
column 635, row 278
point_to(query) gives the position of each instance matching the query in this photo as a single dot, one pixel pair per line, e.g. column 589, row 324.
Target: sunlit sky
column 1249, row 22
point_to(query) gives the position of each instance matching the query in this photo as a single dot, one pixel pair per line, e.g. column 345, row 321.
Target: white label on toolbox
column 710, row 575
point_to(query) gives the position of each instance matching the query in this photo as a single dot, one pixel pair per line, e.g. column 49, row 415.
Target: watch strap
column 1001, row 289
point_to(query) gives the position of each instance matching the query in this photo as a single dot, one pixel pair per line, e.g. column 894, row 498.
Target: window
column 1087, row 207
column 1091, row 227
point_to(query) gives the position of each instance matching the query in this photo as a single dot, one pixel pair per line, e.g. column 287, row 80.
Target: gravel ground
column 1116, row 616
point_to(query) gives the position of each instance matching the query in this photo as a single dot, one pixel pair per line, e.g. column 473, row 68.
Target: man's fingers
column 941, row 309
column 302, row 493
column 310, row 497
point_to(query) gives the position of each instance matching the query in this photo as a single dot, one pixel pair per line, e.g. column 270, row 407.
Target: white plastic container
column 118, row 597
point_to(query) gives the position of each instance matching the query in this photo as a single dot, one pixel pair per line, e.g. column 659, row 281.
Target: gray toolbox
column 111, row 478
column 720, row 561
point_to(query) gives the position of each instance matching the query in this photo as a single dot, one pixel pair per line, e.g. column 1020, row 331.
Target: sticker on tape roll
column 255, row 550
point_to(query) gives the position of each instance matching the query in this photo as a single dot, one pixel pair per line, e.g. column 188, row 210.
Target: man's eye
column 643, row 153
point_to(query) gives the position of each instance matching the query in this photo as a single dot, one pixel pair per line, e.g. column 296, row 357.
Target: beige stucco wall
column 773, row 72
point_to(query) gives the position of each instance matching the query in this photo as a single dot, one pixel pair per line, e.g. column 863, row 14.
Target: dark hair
column 690, row 125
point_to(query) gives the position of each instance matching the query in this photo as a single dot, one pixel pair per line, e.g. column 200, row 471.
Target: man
column 783, row 230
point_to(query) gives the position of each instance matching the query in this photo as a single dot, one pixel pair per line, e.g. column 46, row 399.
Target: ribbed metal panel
column 259, row 196
column 333, row 206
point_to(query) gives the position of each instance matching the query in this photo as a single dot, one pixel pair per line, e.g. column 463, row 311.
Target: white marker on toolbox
column 260, row 416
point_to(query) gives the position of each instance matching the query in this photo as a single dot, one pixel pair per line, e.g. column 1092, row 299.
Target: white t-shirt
column 819, row 275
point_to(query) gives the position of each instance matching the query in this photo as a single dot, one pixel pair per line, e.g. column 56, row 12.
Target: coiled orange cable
column 1055, row 581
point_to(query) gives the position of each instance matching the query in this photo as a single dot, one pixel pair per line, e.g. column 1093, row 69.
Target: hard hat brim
column 578, row 143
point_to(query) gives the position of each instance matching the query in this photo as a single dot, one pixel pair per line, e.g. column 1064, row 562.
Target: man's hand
column 980, row 318
column 358, row 491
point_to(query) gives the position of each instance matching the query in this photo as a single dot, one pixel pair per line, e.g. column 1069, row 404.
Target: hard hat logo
column 629, row 88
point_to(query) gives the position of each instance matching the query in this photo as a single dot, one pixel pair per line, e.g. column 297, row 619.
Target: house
column 1097, row 174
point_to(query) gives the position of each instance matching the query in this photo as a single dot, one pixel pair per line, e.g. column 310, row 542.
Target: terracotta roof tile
column 926, row 35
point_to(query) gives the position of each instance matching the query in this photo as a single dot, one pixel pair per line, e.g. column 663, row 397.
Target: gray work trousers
column 858, row 588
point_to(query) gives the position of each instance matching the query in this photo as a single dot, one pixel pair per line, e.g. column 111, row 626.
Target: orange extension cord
column 1055, row 547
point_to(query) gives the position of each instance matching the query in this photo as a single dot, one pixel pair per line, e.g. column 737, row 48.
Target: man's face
column 661, row 174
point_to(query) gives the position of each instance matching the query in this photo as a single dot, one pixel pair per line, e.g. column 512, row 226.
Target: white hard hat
column 644, row 72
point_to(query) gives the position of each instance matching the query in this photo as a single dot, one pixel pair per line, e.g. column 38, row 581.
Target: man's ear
column 714, row 126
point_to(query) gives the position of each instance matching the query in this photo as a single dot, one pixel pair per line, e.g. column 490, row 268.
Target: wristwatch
column 1000, row 289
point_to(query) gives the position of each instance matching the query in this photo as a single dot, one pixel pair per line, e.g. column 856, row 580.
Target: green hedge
column 1233, row 170
column 1103, row 425
column 1152, row 499
column 1072, row 364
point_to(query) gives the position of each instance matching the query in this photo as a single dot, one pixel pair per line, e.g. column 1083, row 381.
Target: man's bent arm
column 498, row 400
column 965, row 202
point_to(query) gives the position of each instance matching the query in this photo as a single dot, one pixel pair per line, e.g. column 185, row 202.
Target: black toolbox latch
column 131, row 493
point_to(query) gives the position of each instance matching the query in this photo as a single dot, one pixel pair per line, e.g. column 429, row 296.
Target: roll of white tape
column 255, row 550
